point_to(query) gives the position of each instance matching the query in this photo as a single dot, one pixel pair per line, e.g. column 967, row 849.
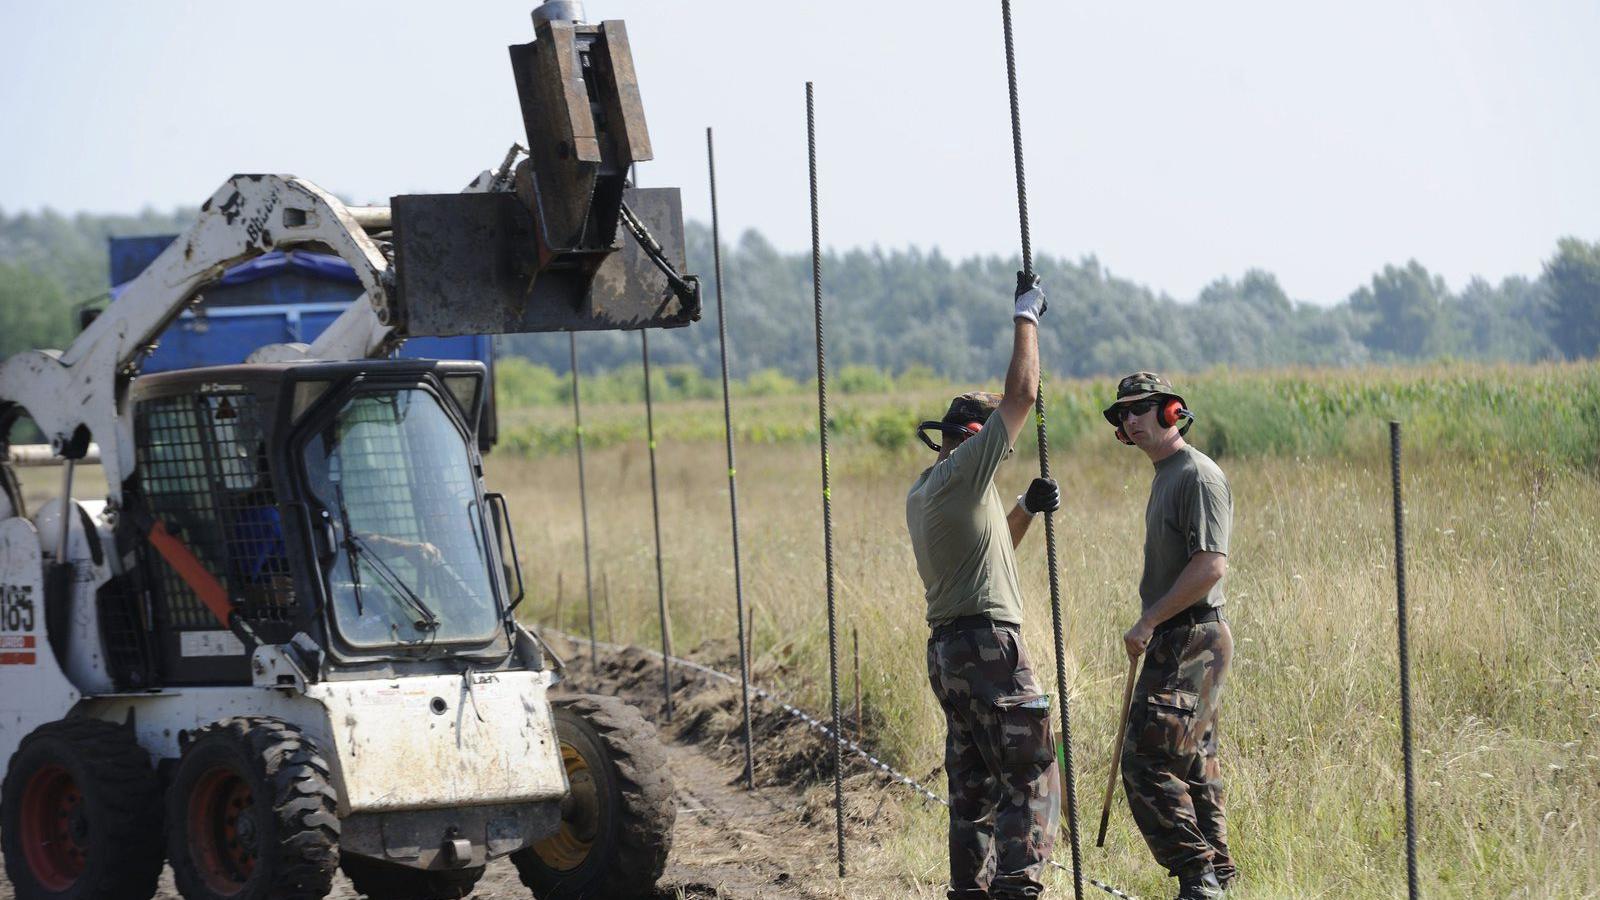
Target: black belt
column 1194, row 615
column 968, row 623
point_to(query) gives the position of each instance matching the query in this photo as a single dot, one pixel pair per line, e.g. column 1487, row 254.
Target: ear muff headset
column 966, row 431
column 1169, row 412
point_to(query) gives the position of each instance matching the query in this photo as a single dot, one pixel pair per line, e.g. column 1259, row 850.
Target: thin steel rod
column 733, row 484
column 583, row 499
column 855, row 652
column 655, row 516
column 1068, row 770
column 827, row 493
column 1405, row 663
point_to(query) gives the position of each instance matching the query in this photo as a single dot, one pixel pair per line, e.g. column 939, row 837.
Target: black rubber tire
column 635, row 808
column 121, row 804
column 381, row 880
column 291, row 813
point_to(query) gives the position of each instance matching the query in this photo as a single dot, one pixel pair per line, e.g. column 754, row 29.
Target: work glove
column 1030, row 298
column 1044, row 495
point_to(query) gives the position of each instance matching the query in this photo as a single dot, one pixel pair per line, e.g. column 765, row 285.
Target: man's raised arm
column 1022, row 376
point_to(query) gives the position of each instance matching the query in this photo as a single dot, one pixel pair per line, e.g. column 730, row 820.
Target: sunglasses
column 1137, row 408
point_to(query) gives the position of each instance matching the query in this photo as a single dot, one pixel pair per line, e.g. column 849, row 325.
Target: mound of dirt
column 788, row 753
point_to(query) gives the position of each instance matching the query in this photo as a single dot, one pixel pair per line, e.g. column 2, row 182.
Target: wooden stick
column 1116, row 750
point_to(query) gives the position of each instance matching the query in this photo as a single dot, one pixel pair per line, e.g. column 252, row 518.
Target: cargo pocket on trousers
column 1024, row 725
column 1168, row 728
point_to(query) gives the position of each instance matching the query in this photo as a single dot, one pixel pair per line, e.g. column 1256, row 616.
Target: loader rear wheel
column 616, row 823
column 251, row 814
column 380, row 880
column 80, row 817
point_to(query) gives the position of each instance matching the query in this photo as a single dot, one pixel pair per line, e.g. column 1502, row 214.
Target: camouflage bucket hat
column 1136, row 387
column 965, row 417
column 973, row 406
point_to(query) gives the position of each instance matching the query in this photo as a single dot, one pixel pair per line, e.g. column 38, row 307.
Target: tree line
column 918, row 310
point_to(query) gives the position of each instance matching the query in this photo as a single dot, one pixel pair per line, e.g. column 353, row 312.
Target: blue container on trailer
column 276, row 298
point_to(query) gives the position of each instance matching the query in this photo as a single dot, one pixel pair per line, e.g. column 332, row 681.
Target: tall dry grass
column 1504, row 559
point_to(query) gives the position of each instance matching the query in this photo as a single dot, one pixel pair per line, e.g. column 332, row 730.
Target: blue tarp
column 318, row 265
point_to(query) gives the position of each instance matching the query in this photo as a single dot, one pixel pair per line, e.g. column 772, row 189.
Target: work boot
column 1202, row 885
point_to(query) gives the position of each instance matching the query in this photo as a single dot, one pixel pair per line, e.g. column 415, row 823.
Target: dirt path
column 729, row 843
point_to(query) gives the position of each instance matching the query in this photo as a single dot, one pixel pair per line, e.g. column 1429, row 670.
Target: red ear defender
column 1167, row 414
column 1123, row 437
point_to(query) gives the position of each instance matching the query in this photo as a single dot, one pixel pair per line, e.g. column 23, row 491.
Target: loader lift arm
column 557, row 242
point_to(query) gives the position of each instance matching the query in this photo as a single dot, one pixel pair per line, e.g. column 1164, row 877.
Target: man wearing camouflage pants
column 999, row 750
column 1169, row 755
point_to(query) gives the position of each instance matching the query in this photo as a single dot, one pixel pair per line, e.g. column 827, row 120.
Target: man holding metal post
column 1169, row 751
column 1000, row 752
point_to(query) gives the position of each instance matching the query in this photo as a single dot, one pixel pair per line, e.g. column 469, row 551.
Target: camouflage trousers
column 1000, row 756
column 1169, row 757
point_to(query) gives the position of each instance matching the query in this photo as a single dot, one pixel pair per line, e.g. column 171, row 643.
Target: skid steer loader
column 284, row 642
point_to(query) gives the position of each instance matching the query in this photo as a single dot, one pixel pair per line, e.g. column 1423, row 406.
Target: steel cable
column 1044, row 472
column 733, row 487
column 1405, row 663
column 583, row 494
column 827, row 498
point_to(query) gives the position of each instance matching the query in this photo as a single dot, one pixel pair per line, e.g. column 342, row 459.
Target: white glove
column 1031, row 302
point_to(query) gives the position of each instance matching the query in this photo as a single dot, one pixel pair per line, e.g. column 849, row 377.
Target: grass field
column 1504, row 560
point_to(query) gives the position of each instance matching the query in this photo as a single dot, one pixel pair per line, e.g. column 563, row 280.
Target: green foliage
column 37, row 315
column 1573, row 276
column 1403, row 307
column 1544, row 414
column 926, row 319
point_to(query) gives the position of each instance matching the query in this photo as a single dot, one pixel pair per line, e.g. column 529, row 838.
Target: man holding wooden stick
column 999, row 748
column 1169, row 751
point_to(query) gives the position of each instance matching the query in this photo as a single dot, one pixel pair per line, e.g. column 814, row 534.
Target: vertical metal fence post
column 1403, row 635
column 827, row 493
column 1068, row 773
column 733, row 485
column 655, row 518
column 583, row 499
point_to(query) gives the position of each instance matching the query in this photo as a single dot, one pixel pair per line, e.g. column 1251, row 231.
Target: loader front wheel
column 616, row 823
column 80, row 817
column 251, row 814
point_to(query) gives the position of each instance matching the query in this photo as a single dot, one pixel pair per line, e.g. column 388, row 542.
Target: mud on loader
column 284, row 642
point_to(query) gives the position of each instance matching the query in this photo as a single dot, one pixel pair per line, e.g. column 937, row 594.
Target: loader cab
column 342, row 501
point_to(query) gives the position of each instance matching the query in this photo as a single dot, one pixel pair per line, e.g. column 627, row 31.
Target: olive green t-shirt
column 959, row 532
column 1190, row 510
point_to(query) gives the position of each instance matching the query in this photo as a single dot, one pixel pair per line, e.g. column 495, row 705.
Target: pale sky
column 1176, row 141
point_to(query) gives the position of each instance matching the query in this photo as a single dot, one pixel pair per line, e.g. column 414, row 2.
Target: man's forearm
column 1018, row 520
column 1194, row 582
column 1022, row 378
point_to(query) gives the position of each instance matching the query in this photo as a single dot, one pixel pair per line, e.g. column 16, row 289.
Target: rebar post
column 583, row 499
column 855, row 652
column 733, row 484
column 1405, row 663
column 655, row 517
column 827, row 494
column 1068, row 775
